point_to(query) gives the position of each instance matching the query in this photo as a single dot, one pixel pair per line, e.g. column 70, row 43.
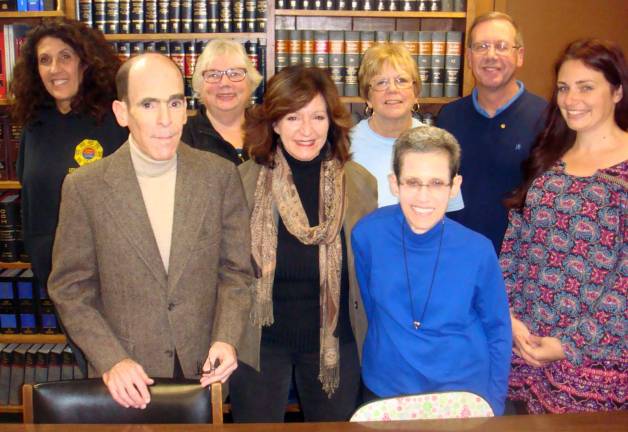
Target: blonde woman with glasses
column 390, row 84
column 224, row 78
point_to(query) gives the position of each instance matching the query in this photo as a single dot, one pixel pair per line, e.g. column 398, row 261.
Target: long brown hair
column 556, row 138
column 97, row 89
column 288, row 91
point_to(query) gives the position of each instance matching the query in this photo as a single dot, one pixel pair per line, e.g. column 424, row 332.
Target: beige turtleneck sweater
column 157, row 181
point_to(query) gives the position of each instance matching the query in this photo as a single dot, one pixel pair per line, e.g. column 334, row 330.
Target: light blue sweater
column 464, row 342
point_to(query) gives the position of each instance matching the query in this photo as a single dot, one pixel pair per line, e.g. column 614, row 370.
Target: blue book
column 34, row 5
column 22, row 5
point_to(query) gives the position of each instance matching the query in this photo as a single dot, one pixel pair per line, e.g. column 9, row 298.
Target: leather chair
column 89, row 401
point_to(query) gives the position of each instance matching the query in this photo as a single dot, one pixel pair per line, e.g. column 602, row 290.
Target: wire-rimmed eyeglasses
column 501, row 47
column 401, row 82
column 213, row 76
column 433, row 186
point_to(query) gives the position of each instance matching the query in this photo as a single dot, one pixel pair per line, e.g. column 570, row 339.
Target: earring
column 416, row 108
column 368, row 111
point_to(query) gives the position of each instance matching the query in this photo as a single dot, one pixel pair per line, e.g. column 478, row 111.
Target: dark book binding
column 226, row 17
column 260, row 18
column 199, row 16
column 238, row 16
column 213, row 16
column 186, row 16
column 100, row 15
column 294, row 47
column 163, row 16
column 174, row 16
column 321, row 48
column 112, row 16
column 150, row 16
column 281, row 49
column 125, row 17
column 137, row 16
column 85, row 12
column 250, row 16
column 352, row 63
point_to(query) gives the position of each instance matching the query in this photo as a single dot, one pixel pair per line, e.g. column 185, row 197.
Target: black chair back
column 89, row 401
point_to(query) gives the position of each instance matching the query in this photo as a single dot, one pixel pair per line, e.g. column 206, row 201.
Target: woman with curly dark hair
column 63, row 86
column 565, row 255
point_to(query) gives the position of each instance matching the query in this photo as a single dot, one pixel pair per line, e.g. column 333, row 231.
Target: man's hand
column 224, row 356
column 127, row 383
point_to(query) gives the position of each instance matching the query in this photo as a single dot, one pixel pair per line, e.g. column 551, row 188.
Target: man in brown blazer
column 151, row 264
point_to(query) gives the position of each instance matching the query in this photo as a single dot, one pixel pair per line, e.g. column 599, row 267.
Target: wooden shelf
column 14, row 265
column 10, row 184
column 441, row 100
column 42, row 14
column 5, row 102
column 368, row 14
column 33, row 338
column 181, row 36
column 11, row 409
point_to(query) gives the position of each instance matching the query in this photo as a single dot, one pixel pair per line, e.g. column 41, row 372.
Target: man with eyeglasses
column 432, row 289
column 151, row 267
column 496, row 125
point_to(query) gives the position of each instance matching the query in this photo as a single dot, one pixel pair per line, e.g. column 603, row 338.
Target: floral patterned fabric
column 565, row 265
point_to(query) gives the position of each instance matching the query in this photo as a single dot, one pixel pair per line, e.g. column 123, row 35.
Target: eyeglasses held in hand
column 213, row 76
column 401, row 82
column 501, row 47
column 433, row 186
column 212, row 367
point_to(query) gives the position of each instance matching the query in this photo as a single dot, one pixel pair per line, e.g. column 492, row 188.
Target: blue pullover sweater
column 464, row 342
column 492, row 152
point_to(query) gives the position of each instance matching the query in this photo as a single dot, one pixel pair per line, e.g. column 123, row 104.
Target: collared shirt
column 482, row 111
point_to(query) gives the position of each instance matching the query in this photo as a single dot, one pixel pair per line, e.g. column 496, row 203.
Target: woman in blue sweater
column 433, row 291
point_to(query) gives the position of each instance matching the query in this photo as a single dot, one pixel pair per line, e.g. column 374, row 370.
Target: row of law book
column 374, row 5
column 11, row 244
column 27, row 5
column 33, row 363
column 174, row 16
column 437, row 54
column 10, row 133
column 25, row 307
column 12, row 37
column 185, row 54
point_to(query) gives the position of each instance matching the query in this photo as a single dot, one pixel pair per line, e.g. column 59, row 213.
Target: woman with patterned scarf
column 305, row 196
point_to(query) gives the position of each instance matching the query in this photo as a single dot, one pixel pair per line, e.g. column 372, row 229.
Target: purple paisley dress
column 565, row 263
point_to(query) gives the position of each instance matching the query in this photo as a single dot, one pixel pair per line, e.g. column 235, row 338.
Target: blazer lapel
column 190, row 205
column 126, row 207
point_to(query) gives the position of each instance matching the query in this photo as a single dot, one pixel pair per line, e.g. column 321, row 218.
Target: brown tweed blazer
column 108, row 281
column 361, row 200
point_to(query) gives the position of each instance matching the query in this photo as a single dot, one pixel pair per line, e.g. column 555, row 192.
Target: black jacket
column 199, row 133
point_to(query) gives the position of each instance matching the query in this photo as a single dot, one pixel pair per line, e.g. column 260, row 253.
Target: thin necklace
column 417, row 322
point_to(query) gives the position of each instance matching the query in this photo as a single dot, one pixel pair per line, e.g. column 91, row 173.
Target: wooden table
column 595, row 422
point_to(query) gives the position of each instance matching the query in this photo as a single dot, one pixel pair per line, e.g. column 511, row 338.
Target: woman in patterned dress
column 564, row 257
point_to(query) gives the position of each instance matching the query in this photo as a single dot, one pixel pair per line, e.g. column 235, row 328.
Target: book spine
column 163, row 47
column 447, row 5
column 321, row 49
column 137, row 48
column 189, row 61
column 433, row 5
column 174, row 16
column 250, row 21
column 150, row 47
column 381, row 36
column 186, row 16
column 112, row 16
column 213, row 16
column 261, row 56
column 163, row 16
column 177, row 55
column 85, row 12
column 252, row 52
column 294, row 47
column 352, row 63
column 260, row 18
column 423, row 6
column 238, row 16
column 411, row 42
column 438, row 63
column 199, row 16
column 460, row 5
column 226, row 17
column 281, row 49
column 150, row 16
column 26, row 305
column 395, row 37
column 125, row 17
column 425, row 62
column 137, row 16
column 307, row 48
column 409, row 5
column 123, row 50
column 337, row 59
column 100, row 15
column 281, row 4
column 453, row 63
column 17, row 374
